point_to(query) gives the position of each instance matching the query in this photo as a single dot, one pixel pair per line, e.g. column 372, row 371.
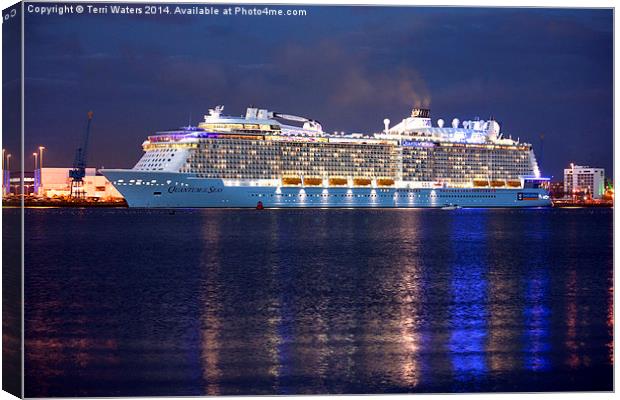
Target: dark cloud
column 535, row 70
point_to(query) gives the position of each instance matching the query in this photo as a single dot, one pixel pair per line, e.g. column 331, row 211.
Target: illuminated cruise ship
column 269, row 159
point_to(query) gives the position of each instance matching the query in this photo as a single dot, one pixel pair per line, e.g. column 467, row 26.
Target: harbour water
column 123, row 302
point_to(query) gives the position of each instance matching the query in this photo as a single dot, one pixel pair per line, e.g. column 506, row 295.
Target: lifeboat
column 291, row 180
column 385, row 182
column 337, row 181
column 514, row 184
column 361, row 182
column 480, row 183
column 313, row 181
column 498, row 183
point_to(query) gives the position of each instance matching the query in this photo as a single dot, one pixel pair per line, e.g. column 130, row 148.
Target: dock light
column 36, row 156
column 41, row 148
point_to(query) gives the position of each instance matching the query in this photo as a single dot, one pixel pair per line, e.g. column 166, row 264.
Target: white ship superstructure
column 264, row 158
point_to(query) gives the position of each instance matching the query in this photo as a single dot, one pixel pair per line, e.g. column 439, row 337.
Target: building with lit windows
column 556, row 189
column 55, row 182
column 583, row 180
column 20, row 185
column 229, row 161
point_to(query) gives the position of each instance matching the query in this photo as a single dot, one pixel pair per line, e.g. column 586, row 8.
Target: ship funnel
column 420, row 112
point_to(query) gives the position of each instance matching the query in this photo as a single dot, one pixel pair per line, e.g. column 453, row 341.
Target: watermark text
column 160, row 9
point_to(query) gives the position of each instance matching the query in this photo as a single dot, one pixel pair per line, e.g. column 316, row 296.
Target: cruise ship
column 267, row 159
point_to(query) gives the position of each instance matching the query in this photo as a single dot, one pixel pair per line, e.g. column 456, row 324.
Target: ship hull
column 175, row 190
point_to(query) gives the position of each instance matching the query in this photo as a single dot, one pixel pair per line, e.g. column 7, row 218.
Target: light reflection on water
column 318, row 301
column 537, row 324
column 211, row 325
column 536, row 311
column 468, row 313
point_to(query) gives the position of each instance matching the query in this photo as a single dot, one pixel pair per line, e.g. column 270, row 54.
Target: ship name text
column 189, row 189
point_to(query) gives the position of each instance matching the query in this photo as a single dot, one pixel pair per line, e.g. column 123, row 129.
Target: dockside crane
column 78, row 172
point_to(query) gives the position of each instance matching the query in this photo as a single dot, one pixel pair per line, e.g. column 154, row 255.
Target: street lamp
column 41, row 148
column 3, row 173
column 35, row 186
column 8, row 172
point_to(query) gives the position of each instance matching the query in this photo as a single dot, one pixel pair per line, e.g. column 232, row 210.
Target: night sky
column 537, row 71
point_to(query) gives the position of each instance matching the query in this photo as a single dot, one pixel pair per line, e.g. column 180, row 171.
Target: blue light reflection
column 468, row 313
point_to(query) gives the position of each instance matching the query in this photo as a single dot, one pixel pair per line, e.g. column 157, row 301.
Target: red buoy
column 259, row 205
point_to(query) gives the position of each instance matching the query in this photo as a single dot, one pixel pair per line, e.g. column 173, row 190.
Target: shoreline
column 123, row 204
column 63, row 204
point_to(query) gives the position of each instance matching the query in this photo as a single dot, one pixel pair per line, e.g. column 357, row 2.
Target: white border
column 479, row 3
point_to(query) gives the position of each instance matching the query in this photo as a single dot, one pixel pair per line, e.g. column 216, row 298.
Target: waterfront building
column 55, row 182
column 6, row 182
column 556, row 189
column 15, row 183
column 584, row 180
